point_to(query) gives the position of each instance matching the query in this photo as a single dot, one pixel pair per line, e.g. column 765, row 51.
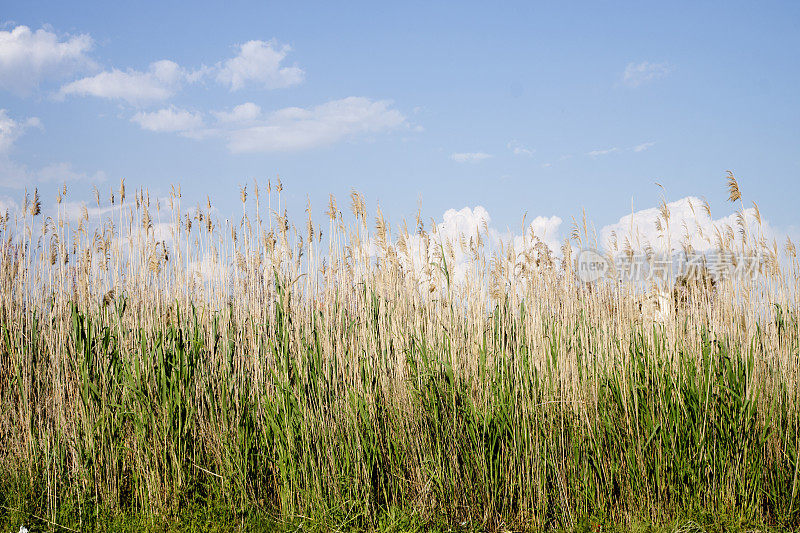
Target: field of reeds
column 163, row 368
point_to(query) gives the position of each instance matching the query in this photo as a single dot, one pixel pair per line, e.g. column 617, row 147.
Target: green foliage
column 176, row 426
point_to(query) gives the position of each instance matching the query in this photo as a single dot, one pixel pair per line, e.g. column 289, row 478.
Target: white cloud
column 8, row 205
column 519, row 149
column 295, row 128
column 161, row 80
column 28, row 58
column 637, row 74
column 459, row 226
column 169, row 119
column 465, row 221
column 469, row 157
column 61, row 172
column 17, row 175
column 547, row 230
column 595, row 153
column 13, row 174
column 688, row 222
column 642, row 147
column 241, row 114
column 259, row 62
column 11, row 129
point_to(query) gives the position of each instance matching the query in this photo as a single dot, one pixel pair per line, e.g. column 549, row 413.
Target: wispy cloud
column 469, row 157
column 13, row 174
column 637, row 74
column 17, row 175
column 295, row 128
column 248, row 129
column 518, row 149
column 596, row 153
column 11, row 129
column 642, row 147
column 29, row 57
column 60, row 172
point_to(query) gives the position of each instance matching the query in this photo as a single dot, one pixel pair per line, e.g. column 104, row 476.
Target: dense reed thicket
column 375, row 379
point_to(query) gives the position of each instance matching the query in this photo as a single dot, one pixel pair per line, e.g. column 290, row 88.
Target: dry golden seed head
column 354, row 203
column 757, row 213
column 53, row 251
column 729, row 234
column 147, row 222
column 36, row 205
column 243, row 194
column 575, row 234
column 733, row 188
column 664, row 211
column 96, row 195
column 790, row 248
column 331, row 208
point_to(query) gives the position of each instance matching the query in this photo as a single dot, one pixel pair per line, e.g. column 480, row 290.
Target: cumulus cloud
column 461, row 225
column 170, row 119
column 547, row 230
column 690, row 222
column 161, row 80
column 259, row 62
column 469, row 157
column 637, row 74
column 29, row 57
column 296, row 128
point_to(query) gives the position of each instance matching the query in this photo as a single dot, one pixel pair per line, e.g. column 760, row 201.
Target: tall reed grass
column 154, row 359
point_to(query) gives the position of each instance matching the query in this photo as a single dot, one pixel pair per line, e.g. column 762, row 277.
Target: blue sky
column 544, row 108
